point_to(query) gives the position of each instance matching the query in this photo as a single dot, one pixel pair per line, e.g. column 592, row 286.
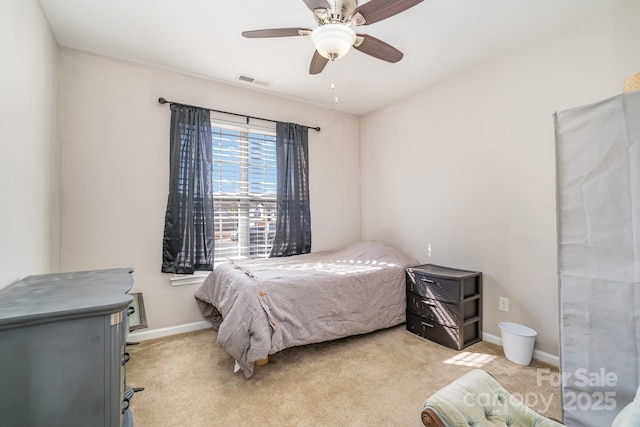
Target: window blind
column 244, row 189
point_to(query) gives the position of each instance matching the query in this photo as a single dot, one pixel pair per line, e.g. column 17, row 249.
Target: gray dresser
column 63, row 350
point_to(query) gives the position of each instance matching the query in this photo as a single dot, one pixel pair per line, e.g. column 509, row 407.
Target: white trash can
column 517, row 342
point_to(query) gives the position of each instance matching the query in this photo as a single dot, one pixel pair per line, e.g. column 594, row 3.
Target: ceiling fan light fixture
column 333, row 41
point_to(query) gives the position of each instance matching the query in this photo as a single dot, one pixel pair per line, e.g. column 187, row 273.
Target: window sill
column 188, row 279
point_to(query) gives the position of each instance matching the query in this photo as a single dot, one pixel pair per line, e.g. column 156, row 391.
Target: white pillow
column 630, row 414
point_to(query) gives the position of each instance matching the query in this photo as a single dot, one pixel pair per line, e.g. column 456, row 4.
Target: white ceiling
column 439, row 38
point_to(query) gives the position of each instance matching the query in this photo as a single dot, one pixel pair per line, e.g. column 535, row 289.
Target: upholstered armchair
column 477, row 399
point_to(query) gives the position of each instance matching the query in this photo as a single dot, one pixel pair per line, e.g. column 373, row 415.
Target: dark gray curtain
column 293, row 224
column 188, row 230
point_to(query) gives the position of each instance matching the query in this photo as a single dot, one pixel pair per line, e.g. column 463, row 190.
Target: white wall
column 28, row 152
column 115, row 151
column 467, row 167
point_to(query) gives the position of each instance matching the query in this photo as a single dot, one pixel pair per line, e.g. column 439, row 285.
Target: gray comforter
column 263, row 306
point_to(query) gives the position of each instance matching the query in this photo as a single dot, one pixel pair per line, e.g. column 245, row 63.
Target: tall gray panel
column 598, row 203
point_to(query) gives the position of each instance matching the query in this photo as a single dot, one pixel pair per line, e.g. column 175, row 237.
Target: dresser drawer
column 433, row 331
column 442, row 312
column 433, row 287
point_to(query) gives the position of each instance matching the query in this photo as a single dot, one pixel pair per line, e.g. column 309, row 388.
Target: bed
column 263, row 306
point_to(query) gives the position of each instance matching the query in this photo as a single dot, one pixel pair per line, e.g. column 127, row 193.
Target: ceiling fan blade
column 378, row 49
column 318, row 62
column 377, row 10
column 277, row 32
column 317, row 4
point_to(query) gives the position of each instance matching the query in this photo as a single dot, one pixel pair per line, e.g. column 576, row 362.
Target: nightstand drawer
column 433, row 287
column 433, row 331
column 441, row 312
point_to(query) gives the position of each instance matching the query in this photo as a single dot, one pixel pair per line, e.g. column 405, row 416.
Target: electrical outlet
column 503, row 304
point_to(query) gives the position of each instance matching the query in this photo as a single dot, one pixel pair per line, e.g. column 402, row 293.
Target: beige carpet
column 379, row 379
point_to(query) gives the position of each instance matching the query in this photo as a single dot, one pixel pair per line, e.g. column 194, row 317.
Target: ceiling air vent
column 253, row 80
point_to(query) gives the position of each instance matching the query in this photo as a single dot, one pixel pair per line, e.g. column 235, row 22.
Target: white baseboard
column 537, row 354
column 148, row 334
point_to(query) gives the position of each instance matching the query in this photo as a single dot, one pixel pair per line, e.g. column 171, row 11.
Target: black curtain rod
column 164, row 101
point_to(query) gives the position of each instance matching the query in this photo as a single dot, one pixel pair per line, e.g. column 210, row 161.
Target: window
column 244, row 189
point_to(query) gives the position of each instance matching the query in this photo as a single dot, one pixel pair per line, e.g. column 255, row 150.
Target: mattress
column 263, row 306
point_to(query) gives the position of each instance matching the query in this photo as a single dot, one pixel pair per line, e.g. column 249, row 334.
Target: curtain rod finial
column 161, row 100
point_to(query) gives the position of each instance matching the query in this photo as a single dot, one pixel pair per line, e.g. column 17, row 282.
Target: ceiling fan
column 334, row 36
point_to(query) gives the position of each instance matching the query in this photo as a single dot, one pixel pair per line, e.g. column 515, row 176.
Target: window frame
column 259, row 228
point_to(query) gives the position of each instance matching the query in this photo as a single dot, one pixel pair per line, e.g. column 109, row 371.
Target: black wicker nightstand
column 444, row 305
